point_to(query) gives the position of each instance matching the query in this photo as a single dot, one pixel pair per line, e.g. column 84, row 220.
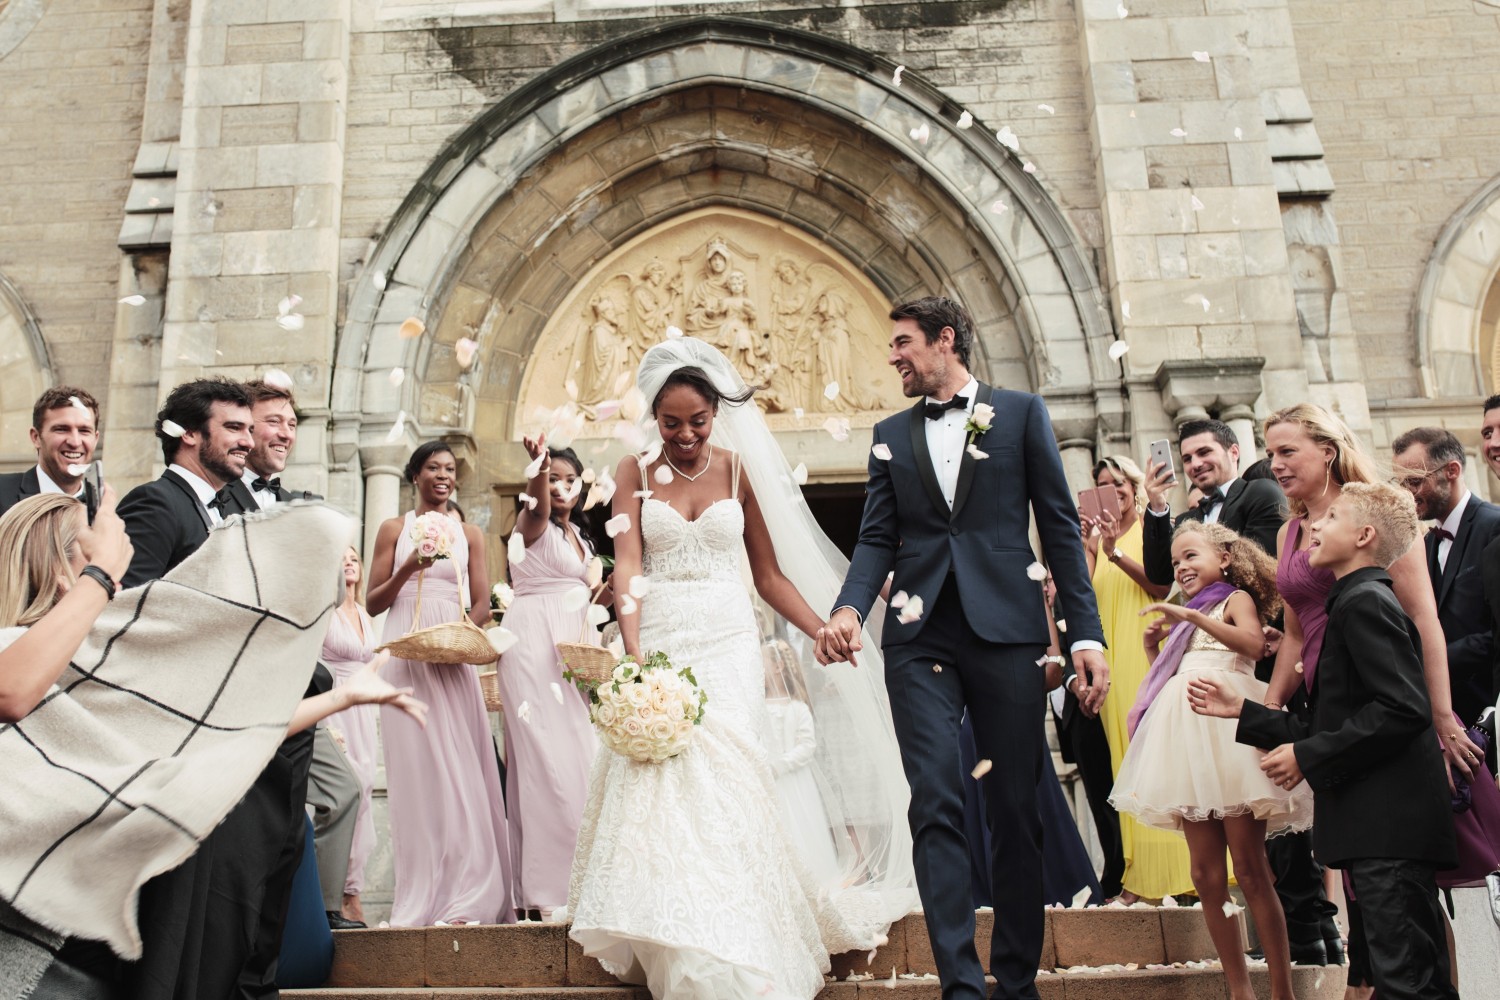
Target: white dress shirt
column 201, row 490
column 264, row 498
column 45, row 484
column 1450, row 525
column 946, row 440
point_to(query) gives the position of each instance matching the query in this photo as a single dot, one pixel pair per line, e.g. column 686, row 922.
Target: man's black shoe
column 1309, row 953
column 338, row 922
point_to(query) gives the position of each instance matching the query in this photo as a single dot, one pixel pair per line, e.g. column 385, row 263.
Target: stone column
column 1194, row 390
column 1078, row 461
column 382, row 501
column 1241, row 419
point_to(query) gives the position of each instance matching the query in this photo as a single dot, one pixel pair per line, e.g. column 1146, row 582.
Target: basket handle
column 416, row 615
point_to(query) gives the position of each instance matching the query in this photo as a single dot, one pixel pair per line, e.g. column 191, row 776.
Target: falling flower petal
column 1125, row 308
column 574, row 490
column 277, row 378
column 1205, row 302
column 575, row 599
column 77, row 470
column 632, row 404
column 921, row 134
column 999, row 207
column 981, row 769
column 171, row 428
column 1029, row 167
column 616, row 525
column 533, row 467
column 976, row 453
column 1008, row 138
column 663, row 475
column 899, row 599
column 523, row 712
column 593, row 573
column 798, row 412
column 1200, row 56
column 937, row 668
column 639, row 587
column 1169, row 902
column 1179, row 133
column 598, row 614
column 397, row 429
column 378, row 279
column 831, row 390
column 799, row 474
column 912, row 611
column 515, row 549
column 1036, row 571
column 890, row 983
column 1122, row 11
column 501, row 638
column 673, row 332
column 1081, row 897
column 76, row 403
column 1197, row 205
column 557, row 691
column 627, row 604
column 528, row 500
column 1047, row 108
column 1239, row 133
column 286, row 305
column 1230, row 909
column 291, row 322
column 1117, row 350
column 896, row 76
column 133, row 300
column 571, row 388
column 1062, row 624
column 881, row 451
column 965, row 120
column 412, row 327
column 464, row 350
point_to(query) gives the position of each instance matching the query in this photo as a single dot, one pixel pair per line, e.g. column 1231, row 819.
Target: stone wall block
column 222, row 85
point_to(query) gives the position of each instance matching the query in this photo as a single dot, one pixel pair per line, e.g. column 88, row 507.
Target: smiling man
column 64, row 432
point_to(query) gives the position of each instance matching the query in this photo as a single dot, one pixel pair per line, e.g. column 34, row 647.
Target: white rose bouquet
column 646, row 711
column 432, row 535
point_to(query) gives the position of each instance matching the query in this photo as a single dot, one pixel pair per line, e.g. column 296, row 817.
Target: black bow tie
column 221, row 501
column 1210, row 500
column 263, row 485
column 935, row 411
column 1442, row 534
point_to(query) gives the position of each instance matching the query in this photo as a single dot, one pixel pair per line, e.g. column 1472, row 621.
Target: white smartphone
column 1161, row 454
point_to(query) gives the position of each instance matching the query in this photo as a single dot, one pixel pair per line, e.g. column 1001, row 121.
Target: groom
column 947, row 508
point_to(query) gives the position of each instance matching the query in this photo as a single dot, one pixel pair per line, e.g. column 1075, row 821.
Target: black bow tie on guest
column 1210, row 500
column 221, row 501
column 935, row 411
column 1442, row 534
column 263, row 485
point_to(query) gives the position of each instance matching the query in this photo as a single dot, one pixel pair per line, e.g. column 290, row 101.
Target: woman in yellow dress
column 1156, row 861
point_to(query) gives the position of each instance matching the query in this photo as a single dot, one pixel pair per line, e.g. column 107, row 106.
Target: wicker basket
column 450, row 642
column 489, row 686
column 588, row 661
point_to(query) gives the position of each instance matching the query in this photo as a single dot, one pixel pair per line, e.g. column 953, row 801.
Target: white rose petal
column 921, row 133
column 133, row 300
column 464, row 350
column 533, row 467
column 1125, row 308
column 633, row 404
column 663, row 475
column 1029, row 167
column 523, row 712
column 593, row 573
column 911, row 612
column 515, row 549
column 397, row 376
column 673, row 332
column 896, row 76
column 1197, row 205
column 639, row 587
column 575, row 599
column 1179, row 133
column 937, row 668
column 798, row 412
column 978, row 455
column 616, row 525
column 286, row 305
column 1118, row 350
column 501, row 638
column 831, row 391
column 999, row 207
column 1062, row 624
column 799, row 474
column 627, row 604
column 899, row 599
column 557, row 692
column 278, row 378
column 837, row 427
column 1036, row 571
column 1081, row 897
column 1047, row 108
column 1230, row 909
column 598, row 614
column 881, row 451
column 1239, row 133
column 397, row 429
column 1008, row 139
column 1169, row 902
column 291, row 322
column 411, row 328
column 77, row 470
column 574, row 490
column 981, row 769
column 529, row 500
column 77, row 403
column 965, row 120
column 1122, row 11
column 1201, row 56
column 571, row 388
column 378, row 279
column 171, row 428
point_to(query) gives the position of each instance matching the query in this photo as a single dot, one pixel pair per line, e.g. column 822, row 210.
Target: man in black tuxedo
column 322, row 776
column 1490, row 561
column 1430, row 464
column 1211, row 461
column 1369, row 751
column 949, row 511
column 64, row 432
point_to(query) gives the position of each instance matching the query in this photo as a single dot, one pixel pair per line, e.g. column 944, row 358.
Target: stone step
column 531, row 956
column 1143, row 984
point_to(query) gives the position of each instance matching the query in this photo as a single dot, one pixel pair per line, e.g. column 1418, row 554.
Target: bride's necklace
column 684, row 475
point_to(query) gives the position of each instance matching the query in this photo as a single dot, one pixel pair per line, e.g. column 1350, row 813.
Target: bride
column 685, row 878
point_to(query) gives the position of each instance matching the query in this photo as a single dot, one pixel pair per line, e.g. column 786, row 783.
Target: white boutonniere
column 979, row 421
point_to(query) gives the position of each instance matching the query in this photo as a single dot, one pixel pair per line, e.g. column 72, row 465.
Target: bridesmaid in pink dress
column 448, row 827
column 349, row 645
column 549, row 746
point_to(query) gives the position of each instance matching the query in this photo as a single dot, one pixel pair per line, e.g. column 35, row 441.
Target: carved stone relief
column 792, row 316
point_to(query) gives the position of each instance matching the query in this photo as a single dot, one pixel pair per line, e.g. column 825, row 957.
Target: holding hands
column 839, row 640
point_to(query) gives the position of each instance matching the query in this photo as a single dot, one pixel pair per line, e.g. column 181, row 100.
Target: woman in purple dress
column 349, row 645
column 448, row 827
column 549, row 744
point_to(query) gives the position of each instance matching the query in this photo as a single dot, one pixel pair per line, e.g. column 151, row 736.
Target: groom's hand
column 1090, row 663
column 839, row 640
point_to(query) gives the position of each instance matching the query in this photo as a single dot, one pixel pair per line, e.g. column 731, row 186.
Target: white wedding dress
column 685, row 878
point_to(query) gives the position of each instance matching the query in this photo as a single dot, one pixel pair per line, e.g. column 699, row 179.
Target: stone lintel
column 1192, row 389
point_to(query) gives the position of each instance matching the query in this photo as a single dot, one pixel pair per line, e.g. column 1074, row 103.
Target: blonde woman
column 1156, row 861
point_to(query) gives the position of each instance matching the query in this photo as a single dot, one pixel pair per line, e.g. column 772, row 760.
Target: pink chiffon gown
column 448, row 828
column 549, row 752
column 346, row 649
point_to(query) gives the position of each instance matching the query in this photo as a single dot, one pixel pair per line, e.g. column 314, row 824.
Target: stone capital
column 1192, row 389
column 1074, row 416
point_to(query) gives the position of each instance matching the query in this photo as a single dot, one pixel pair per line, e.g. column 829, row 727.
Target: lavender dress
column 345, row 650
column 448, row 827
column 548, row 753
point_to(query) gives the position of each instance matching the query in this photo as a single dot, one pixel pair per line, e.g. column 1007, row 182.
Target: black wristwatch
column 100, row 577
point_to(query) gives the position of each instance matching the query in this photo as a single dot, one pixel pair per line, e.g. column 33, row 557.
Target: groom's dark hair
column 935, row 312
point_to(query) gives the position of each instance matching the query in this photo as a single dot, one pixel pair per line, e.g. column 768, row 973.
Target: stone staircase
column 539, row 962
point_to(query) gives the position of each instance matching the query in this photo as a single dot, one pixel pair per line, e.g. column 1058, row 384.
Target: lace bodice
column 706, row 548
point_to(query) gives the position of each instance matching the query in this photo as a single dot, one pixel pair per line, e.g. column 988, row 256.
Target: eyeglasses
column 1414, row 483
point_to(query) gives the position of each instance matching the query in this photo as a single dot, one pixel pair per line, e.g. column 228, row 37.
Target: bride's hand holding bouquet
column 645, row 710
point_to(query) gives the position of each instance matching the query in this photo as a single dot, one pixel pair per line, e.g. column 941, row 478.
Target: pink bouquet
column 432, row 536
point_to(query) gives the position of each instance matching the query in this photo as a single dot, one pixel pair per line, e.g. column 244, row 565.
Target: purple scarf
column 1170, row 657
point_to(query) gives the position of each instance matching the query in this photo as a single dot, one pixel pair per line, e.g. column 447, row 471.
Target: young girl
column 792, row 744
column 1186, row 772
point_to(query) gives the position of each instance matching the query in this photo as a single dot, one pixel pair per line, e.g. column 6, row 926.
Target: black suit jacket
column 1490, row 568
column 166, row 524
column 1256, row 509
column 246, row 499
column 1369, row 754
column 1466, row 617
column 983, row 541
column 16, row 486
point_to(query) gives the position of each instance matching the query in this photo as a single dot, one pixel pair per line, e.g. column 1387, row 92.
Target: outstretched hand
column 1208, row 697
column 839, row 640
column 366, row 687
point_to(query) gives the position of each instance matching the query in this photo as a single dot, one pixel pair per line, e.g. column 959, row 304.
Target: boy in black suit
column 1370, row 745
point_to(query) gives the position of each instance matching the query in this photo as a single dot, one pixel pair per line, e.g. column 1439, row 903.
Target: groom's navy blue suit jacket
column 983, row 541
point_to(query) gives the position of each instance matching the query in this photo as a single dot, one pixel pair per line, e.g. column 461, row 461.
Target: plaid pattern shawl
column 170, row 709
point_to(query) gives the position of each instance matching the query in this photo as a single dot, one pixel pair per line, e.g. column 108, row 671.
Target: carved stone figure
column 606, row 353
column 705, row 309
column 654, row 306
column 831, row 335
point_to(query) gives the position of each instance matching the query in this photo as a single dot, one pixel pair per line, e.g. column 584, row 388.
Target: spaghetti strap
column 734, row 476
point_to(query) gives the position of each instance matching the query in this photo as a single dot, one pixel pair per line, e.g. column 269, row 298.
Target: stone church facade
column 1267, row 200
